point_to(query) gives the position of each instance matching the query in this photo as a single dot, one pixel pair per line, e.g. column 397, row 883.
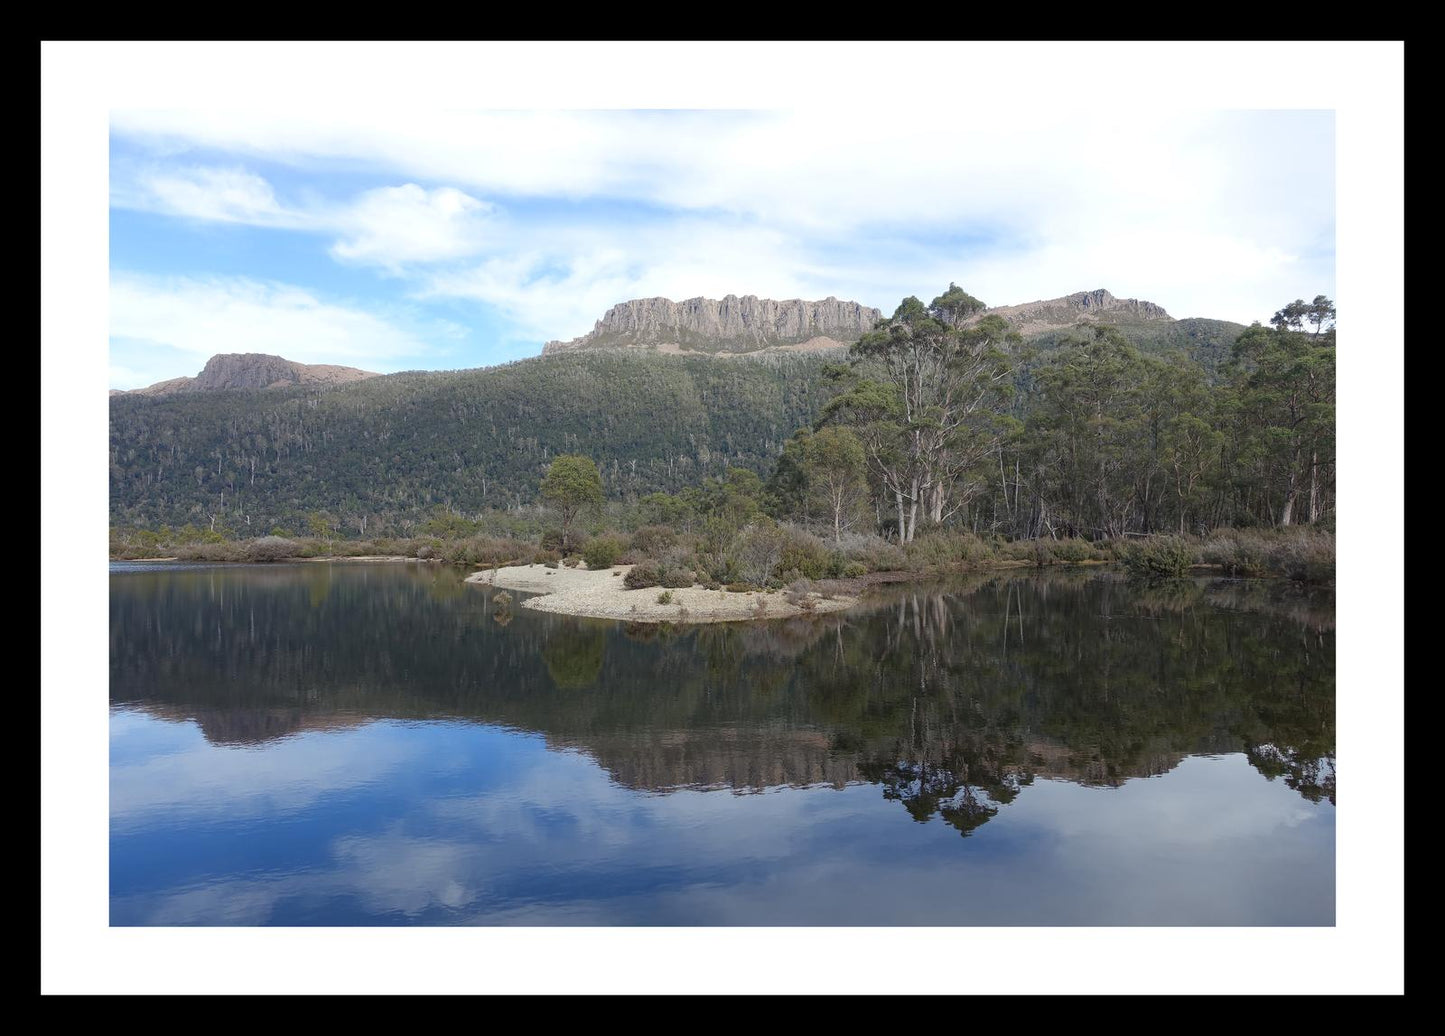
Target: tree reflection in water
column 951, row 698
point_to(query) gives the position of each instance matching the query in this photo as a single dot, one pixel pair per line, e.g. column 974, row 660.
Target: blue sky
column 437, row 238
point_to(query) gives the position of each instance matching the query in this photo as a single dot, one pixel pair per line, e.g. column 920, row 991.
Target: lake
column 354, row 744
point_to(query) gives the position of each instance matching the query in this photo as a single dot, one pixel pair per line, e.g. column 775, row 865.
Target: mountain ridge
column 1099, row 306
column 732, row 324
column 252, row 371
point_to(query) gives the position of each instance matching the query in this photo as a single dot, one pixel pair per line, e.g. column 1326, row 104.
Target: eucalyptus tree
column 572, row 484
column 935, row 410
column 834, row 466
column 1284, row 380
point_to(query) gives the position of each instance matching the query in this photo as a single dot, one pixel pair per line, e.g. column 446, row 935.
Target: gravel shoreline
column 601, row 594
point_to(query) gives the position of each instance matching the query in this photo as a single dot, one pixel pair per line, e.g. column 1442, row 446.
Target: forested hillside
column 945, row 414
column 394, row 447
column 1207, row 342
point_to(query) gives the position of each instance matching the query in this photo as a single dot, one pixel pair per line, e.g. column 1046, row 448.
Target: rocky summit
column 254, row 371
column 732, row 324
column 1090, row 307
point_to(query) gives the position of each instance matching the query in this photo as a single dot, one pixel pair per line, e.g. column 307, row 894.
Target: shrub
column 873, row 552
column 425, row 552
column 571, row 561
column 804, row 554
column 665, row 597
column 271, row 548
column 603, row 551
column 944, row 549
column 1237, row 555
column 756, row 550
column 502, row 599
column 653, row 540
column 739, row 588
column 643, row 574
column 1309, row 557
column 760, row 607
column 1072, row 551
column 547, row 557
column 854, row 569
column 800, row 595
column 1303, row 554
column 552, row 540
column 1158, row 556
column 489, row 551
column 677, row 577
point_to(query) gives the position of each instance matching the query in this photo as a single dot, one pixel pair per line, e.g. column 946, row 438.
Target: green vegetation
column 572, row 485
column 603, row 551
column 1158, row 556
column 944, row 442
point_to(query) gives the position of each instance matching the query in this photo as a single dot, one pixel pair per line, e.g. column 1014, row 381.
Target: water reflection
column 376, row 720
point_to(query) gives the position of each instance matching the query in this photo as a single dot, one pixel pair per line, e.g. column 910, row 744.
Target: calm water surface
column 377, row 745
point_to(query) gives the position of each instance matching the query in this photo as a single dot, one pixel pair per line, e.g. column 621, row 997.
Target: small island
column 604, row 594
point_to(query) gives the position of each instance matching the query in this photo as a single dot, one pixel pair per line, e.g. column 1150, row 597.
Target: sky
column 1096, row 98
column 438, row 236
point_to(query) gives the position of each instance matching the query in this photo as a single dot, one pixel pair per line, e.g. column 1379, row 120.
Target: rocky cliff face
column 730, row 325
column 1094, row 307
column 255, row 370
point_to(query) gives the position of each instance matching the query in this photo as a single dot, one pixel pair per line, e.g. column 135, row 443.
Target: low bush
column 665, row 597
column 547, row 557
column 944, row 549
column 603, row 551
column 1158, row 556
column 1071, row 551
column 487, row 551
column 642, row 575
column 1303, row 554
column 1238, row 555
column 552, row 540
column 653, row 540
column 874, row 553
column 271, row 548
column 755, row 552
column 804, row 554
column 677, row 577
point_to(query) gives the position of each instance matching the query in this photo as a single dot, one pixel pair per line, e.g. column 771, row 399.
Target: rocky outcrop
column 1091, row 307
column 731, row 324
column 254, row 371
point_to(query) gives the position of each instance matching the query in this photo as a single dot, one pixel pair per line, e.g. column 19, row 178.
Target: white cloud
column 201, row 317
column 390, row 227
column 393, row 226
column 1205, row 213
column 206, row 193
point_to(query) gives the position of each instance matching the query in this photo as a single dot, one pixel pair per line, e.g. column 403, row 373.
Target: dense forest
column 383, row 454
column 936, row 418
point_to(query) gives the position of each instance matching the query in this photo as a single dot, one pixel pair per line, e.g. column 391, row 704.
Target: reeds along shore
column 768, row 556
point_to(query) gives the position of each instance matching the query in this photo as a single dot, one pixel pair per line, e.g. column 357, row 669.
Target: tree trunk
column 1314, row 485
column 913, row 513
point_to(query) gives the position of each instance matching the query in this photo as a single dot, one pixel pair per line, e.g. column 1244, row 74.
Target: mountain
column 1050, row 323
column 727, row 325
column 253, row 371
column 645, row 395
column 1091, row 307
column 403, row 444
